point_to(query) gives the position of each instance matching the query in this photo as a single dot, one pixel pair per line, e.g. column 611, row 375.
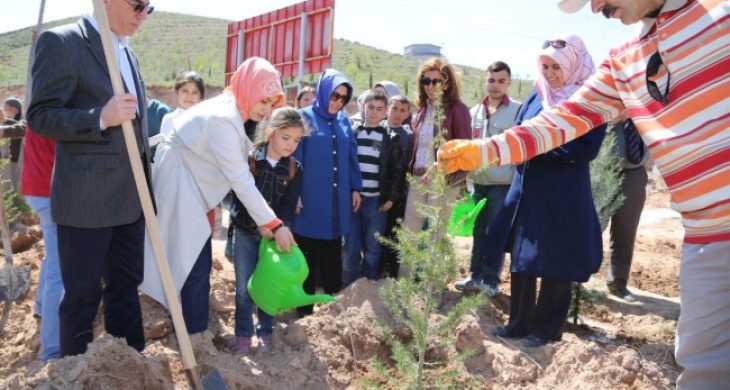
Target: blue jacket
column 549, row 211
column 329, row 161
column 156, row 110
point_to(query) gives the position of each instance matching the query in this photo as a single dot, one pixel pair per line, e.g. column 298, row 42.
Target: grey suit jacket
column 92, row 184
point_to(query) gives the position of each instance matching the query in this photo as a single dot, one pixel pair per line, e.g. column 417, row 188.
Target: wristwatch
column 277, row 227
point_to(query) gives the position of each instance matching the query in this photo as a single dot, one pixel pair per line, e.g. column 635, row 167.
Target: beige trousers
column 702, row 346
column 413, row 219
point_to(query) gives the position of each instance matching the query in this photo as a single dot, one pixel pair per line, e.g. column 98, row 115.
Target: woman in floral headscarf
column 203, row 158
column 550, row 199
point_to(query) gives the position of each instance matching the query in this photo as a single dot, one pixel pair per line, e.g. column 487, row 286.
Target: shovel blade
column 14, row 282
column 214, row 381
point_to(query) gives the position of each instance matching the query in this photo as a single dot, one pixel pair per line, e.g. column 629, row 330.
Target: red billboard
column 296, row 39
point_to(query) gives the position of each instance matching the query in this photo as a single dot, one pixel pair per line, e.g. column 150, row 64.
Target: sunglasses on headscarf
column 555, row 43
column 652, row 68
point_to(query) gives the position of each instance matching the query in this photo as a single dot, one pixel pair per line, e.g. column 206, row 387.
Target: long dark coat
column 548, row 221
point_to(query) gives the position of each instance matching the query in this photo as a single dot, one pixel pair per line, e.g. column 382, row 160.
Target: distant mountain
column 169, row 43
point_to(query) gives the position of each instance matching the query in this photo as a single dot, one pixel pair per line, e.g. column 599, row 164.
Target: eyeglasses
column 336, row 96
column 140, row 7
column 652, row 68
column 426, row 81
column 556, row 44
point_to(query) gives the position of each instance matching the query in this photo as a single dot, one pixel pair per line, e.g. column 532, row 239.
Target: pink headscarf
column 255, row 80
column 577, row 66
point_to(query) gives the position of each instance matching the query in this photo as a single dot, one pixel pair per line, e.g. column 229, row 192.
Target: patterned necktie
column 634, row 149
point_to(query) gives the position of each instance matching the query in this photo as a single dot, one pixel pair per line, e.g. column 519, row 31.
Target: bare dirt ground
column 617, row 345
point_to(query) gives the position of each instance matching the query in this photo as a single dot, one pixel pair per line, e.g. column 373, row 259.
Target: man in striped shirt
column 673, row 82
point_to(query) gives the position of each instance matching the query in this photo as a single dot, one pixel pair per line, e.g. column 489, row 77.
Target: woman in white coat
column 203, row 158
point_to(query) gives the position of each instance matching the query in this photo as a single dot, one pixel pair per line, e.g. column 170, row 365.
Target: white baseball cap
column 571, row 6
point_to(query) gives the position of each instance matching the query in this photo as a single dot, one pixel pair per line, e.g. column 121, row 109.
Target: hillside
column 363, row 63
column 169, row 43
column 166, row 44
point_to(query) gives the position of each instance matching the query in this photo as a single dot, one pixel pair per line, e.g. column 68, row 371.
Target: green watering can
column 276, row 283
column 461, row 222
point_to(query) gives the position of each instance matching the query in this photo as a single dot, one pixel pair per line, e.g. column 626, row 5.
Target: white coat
column 203, row 158
column 166, row 124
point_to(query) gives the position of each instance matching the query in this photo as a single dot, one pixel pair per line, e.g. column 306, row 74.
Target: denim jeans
column 50, row 284
column 38, row 307
column 366, row 222
column 245, row 257
column 482, row 269
column 195, row 293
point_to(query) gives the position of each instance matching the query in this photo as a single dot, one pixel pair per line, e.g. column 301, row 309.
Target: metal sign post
column 302, row 50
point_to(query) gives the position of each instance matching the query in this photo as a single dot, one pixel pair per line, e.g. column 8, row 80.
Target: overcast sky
column 471, row 32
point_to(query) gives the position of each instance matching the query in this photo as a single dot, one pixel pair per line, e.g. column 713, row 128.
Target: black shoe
column 472, row 286
column 533, row 341
column 621, row 292
column 506, row 333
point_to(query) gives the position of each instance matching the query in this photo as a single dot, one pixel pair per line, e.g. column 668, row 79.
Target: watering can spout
column 464, row 215
column 304, row 299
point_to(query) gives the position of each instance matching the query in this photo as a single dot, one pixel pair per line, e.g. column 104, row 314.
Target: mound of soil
column 332, row 348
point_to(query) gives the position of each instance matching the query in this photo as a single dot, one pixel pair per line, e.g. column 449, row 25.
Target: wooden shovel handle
column 186, row 349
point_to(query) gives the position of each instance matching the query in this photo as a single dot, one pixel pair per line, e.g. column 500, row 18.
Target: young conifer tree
column 606, row 180
column 429, row 259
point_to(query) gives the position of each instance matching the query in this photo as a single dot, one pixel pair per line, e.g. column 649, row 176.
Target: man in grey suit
column 93, row 196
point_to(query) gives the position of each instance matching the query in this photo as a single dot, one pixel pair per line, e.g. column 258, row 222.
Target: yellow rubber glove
column 460, row 155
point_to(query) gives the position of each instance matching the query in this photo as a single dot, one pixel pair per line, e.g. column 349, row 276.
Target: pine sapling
column 428, row 258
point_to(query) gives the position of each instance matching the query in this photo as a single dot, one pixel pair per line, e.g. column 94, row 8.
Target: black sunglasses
column 652, row 68
column 336, row 96
column 140, row 7
column 426, row 81
column 556, row 44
